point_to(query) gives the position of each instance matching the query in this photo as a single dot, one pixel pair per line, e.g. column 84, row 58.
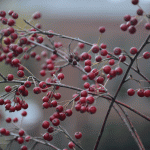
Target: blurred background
column 82, row 18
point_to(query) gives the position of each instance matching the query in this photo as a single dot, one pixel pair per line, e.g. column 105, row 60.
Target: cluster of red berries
column 132, row 21
column 140, row 92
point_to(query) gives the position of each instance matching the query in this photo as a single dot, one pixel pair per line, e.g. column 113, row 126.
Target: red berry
column 131, row 92
column 8, row 88
column 2, row 131
column 147, row 93
column 140, row 92
column 146, row 55
column 147, row 26
column 123, row 27
column 8, row 120
column 68, row 112
column 92, row 109
column 106, row 69
column 55, row 122
column 27, row 84
column 2, row 13
column 14, row 15
column 24, row 113
column 133, row 50
column 20, row 140
column 102, row 29
column 78, row 135
column 139, row 12
column 98, row 58
column 39, row 39
column 37, row 90
column 45, row 124
column 11, row 22
column 21, row 132
column 20, row 73
column 59, row 108
column 103, row 52
column 135, row 2
column 81, row 45
column 118, row 70
column 133, row 21
column 15, row 120
column 95, row 48
column 117, row 51
column 27, row 138
column 132, row 29
column 10, row 77
column 60, row 76
column 23, row 147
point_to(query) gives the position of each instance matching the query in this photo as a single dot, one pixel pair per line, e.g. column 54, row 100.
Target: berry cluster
column 99, row 65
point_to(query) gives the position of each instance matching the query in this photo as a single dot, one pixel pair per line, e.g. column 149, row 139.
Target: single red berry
column 87, row 68
column 60, row 76
column 123, row 27
column 23, row 147
column 8, row 120
column 20, row 140
column 133, row 21
column 36, row 15
column 91, row 75
column 62, row 116
column 54, row 103
column 15, row 120
column 95, row 48
column 71, row 145
column 127, row 18
column 81, row 45
column 27, row 138
column 103, row 46
column 98, row 58
column 139, row 12
column 15, row 62
column 131, row 92
column 118, row 70
column 135, row 2
column 117, row 51
column 78, row 135
column 1, row 101
column 7, row 41
column 147, row 26
column 77, row 107
column 8, row 88
column 106, row 69
column 2, row 131
column 132, row 29
column 55, row 122
column 103, row 52
column 20, row 73
column 147, row 93
column 7, row 133
column 11, row 22
column 2, row 13
column 92, row 109
column 140, row 92
column 40, row 39
column 24, row 113
column 86, row 85
column 133, row 50
column 83, row 109
column 102, row 29
column 37, row 90
column 14, row 15
column 21, row 132
column 27, row 84
column 111, row 62
column 84, row 93
column 59, row 108
column 122, row 58
column 50, row 35
column 68, row 112
column 10, row 77
column 146, row 55
column 90, row 99
column 45, row 124
column 10, row 12
column 4, row 20
column 50, row 129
